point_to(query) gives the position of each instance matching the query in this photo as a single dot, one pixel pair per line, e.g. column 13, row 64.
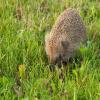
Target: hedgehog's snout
column 59, row 61
column 52, row 67
column 56, row 61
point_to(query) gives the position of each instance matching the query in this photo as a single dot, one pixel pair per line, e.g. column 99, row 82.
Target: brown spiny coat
column 65, row 36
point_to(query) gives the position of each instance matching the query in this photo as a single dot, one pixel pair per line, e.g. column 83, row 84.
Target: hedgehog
column 65, row 37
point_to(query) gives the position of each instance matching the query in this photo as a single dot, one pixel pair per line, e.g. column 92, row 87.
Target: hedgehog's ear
column 65, row 44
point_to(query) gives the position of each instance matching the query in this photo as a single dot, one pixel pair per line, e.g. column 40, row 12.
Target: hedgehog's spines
column 68, row 27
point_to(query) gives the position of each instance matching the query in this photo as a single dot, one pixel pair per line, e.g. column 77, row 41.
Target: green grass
column 23, row 62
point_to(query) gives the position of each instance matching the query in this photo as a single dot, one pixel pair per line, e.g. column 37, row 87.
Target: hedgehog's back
column 70, row 25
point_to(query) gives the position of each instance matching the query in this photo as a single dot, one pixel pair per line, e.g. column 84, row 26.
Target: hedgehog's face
column 57, row 54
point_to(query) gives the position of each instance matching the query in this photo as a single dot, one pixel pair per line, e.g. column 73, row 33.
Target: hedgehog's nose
column 52, row 67
column 59, row 61
column 59, row 64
